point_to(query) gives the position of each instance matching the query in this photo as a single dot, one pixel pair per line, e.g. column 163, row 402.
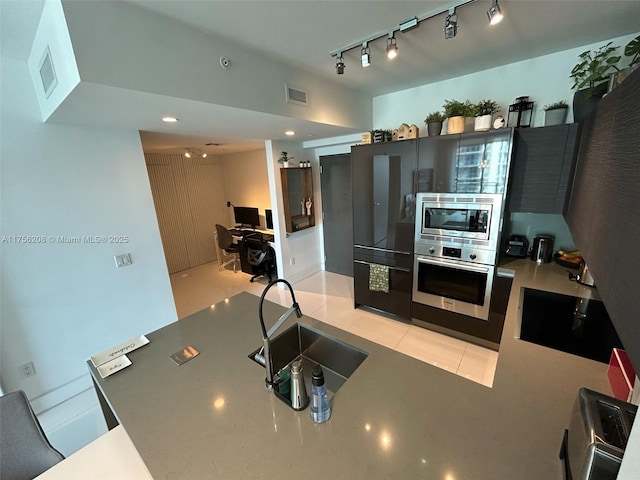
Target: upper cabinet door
column 542, row 168
column 383, row 195
column 475, row 162
column 483, row 161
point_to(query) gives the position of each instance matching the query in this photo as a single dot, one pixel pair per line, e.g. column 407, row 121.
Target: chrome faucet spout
column 295, row 308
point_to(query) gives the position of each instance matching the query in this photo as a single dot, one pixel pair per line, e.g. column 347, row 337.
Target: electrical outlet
column 292, row 261
column 27, row 369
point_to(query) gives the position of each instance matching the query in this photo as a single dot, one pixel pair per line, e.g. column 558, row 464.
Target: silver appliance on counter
column 594, row 444
column 456, row 243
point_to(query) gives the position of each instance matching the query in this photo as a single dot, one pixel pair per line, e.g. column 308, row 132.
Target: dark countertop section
column 396, row 417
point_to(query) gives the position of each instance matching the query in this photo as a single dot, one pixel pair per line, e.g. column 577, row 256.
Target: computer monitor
column 268, row 216
column 247, row 216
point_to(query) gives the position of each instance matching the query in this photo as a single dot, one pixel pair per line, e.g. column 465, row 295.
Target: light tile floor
column 328, row 297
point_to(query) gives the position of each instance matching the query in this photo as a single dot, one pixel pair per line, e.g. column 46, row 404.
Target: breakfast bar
column 395, row 417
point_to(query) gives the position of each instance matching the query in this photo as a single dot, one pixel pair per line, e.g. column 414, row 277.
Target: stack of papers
column 115, row 359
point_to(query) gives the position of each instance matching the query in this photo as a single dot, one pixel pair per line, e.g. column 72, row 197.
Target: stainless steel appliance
column 542, row 250
column 456, row 242
column 598, row 432
column 517, row 246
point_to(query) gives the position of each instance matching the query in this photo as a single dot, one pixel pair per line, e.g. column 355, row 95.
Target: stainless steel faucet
column 264, row 356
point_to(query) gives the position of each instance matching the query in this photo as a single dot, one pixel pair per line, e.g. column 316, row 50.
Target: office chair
column 225, row 242
column 259, row 254
column 25, row 451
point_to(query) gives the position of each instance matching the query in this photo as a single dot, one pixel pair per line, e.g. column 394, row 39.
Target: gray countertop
column 396, row 417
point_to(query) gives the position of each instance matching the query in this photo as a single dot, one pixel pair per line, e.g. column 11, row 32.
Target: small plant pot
column 483, row 123
column 586, row 101
column 284, row 164
column 434, row 128
column 455, row 125
column 557, row 116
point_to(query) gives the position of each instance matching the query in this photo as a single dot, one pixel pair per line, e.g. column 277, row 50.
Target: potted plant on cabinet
column 485, row 109
column 555, row 113
column 590, row 79
column 632, row 50
column 434, row 123
column 284, row 159
column 456, row 113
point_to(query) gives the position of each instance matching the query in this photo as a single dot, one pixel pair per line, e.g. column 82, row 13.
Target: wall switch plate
column 27, row 369
column 123, row 260
column 292, row 261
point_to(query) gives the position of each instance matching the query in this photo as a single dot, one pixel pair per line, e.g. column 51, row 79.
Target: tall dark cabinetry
column 475, row 162
column 542, row 169
column 603, row 214
column 383, row 222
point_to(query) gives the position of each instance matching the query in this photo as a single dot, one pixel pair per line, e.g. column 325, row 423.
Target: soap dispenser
column 320, row 407
column 299, row 397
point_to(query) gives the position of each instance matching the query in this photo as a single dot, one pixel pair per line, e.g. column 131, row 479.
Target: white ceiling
column 305, row 32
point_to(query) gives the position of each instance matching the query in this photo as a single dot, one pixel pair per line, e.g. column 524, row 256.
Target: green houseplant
column 485, row 109
column 284, row 159
column 590, row 77
column 456, row 111
column 434, row 123
column 631, row 51
column 555, row 113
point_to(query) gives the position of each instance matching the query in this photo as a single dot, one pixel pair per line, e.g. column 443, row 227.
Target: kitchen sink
column 313, row 347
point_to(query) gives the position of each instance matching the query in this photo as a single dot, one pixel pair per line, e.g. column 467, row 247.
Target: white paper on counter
column 120, row 349
column 113, row 366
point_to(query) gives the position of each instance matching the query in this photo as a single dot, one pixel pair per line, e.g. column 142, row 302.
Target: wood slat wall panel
column 206, row 195
column 190, row 199
column 165, row 199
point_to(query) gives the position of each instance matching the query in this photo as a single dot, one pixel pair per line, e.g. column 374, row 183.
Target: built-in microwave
column 452, row 217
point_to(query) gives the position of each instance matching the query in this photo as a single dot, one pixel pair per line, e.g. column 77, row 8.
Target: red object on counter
column 621, row 375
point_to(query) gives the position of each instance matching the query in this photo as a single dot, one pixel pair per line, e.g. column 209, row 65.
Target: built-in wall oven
column 456, row 242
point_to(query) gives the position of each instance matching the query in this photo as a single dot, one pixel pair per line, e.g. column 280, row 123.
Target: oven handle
column 458, row 265
column 405, row 270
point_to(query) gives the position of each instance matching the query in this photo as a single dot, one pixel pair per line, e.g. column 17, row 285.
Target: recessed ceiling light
column 169, row 119
column 290, row 133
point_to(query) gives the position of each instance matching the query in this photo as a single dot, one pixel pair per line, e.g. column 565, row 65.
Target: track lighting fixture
column 392, row 47
column 339, row 64
column 365, row 55
column 450, row 31
column 451, row 24
column 494, row 13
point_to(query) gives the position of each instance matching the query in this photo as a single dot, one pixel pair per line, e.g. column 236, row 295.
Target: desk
column 266, row 234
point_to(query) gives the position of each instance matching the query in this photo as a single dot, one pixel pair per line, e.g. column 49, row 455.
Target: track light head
column 365, row 55
column 494, row 13
column 392, row 47
column 339, row 64
column 187, row 154
column 451, row 24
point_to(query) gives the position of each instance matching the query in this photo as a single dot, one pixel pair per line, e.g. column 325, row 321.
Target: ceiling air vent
column 293, row 95
column 47, row 73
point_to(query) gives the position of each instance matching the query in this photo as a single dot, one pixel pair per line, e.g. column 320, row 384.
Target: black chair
column 225, row 242
column 25, row 451
column 259, row 255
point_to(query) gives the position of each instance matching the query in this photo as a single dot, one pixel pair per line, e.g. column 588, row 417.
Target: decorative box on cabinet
column 542, row 169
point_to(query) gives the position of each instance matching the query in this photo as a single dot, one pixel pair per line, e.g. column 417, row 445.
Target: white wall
column 544, row 79
column 246, row 182
column 62, row 302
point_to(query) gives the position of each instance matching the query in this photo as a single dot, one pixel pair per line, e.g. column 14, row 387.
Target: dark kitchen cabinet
column 383, row 195
column 383, row 221
column 476, row 162
column 542, row 169
column 603, row 214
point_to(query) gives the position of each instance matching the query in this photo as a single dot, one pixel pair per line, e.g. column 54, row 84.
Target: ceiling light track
column 450, row 30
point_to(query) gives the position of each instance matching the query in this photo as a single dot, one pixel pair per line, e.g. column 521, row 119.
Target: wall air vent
column 47, row 73
column 294, row 95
